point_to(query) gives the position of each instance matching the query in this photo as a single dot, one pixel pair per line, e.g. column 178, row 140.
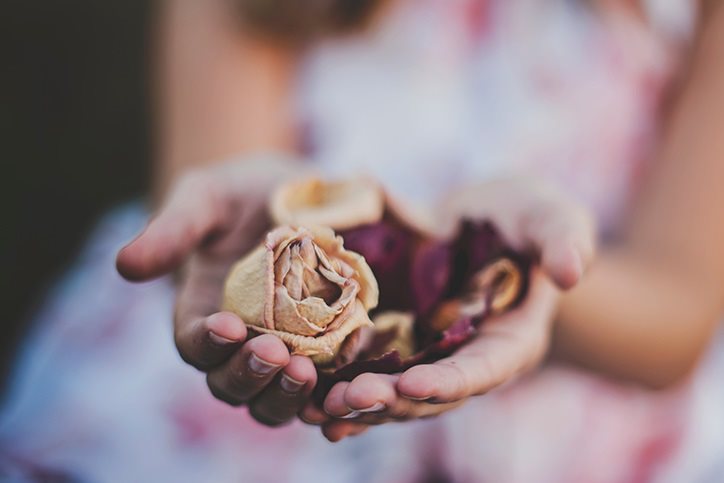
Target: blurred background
column 74, row 109
column 575, row 89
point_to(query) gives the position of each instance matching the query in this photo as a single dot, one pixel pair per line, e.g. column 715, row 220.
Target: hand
column 211, row 218
column 530, row 217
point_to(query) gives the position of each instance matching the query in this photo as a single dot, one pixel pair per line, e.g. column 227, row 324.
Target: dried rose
column 434, row 291
column 304, row 287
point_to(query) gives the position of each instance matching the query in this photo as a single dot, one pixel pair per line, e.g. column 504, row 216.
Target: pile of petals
column 410, row 297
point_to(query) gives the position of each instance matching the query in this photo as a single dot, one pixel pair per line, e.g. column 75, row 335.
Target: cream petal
column 282, row 265
column 317, row 312
column 248, row 286
column 308, row 253
column 332, row 276
column 339, row 205
column 323, row 349
column 401, row 324
column 315, row 285
column 279, row 239
column 294, row 281
column 369, row 292
column 331, row 245
column 288, row 319
column 345, row 303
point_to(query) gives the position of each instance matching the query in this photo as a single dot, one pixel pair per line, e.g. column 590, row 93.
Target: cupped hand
column 210, row 219
column 531, row 217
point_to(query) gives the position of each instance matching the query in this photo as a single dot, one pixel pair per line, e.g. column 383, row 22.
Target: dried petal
column 338, row 205
column 249, row 286
column 323, row 349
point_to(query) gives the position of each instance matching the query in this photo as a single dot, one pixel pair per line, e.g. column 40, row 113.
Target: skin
column 644, row 311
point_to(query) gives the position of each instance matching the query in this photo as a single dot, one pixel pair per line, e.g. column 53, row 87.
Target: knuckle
column 188, row 354
column 222, row 394
column 459, row 385
column 401, row 410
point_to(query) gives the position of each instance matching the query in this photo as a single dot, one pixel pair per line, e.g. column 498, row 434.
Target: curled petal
column 336, row 204
column 288, row 318
column 249, row 289
column 324, row 348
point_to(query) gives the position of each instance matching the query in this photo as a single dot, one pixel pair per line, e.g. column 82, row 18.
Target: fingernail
column 290, row 385
column 219, row 340
column 350, row 415
column 419, row 399
column 375, row 408
column 260, row 366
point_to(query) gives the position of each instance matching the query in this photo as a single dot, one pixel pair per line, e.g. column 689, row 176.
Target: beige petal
column 502, row 279
column 339, row 204
column 331, row 245
column 402, row 326
column 308, row 253
column 323, row 349
column 316, row 285
column 294, row 281
column 369, row 292
column 288, row 319
column 282, row 265
column 249, row 286
column 317, row 312
column 345, row 304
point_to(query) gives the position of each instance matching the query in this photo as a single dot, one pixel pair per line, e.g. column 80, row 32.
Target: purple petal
column 429, row 274
column 386, row 247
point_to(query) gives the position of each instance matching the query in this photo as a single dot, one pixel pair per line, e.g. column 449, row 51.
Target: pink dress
column 442, row 92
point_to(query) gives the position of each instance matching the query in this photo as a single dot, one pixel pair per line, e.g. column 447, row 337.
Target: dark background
column 74, row 122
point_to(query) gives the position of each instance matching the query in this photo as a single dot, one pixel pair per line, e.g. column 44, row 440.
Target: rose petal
column 317, row 312
column 323, row 349
column 287, row 318
column 315, row 285
column 386, row 248
column 293, row 281
column 394, row 331
column 331, row 246
column 429, row 274
column 249, row 284
column 339, row 205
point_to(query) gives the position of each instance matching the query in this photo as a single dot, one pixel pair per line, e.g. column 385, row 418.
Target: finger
column 334, row 401
column 204, row 338
column 249, row 370
column 375, row 395
column 367, row 393
column 313, row 414
column 337, row 430
column 194, row 211
column 449, row 380
column 206, row 342
column 285, row 397
column 564, row 236
column 371, row 398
